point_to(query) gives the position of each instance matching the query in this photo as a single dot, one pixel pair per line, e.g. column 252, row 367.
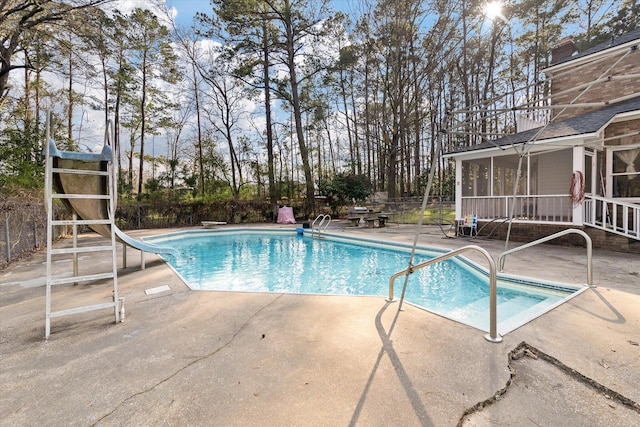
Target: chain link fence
column 166, row 215
column 23, row 230
column 24, row 221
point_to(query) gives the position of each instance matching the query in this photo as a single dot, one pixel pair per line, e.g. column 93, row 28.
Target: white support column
column 490, row 189
column 578, row 165
column 74, row 229
column 459, row 213
column 124, row 255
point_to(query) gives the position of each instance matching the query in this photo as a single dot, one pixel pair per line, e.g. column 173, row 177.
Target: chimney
column 565, row 47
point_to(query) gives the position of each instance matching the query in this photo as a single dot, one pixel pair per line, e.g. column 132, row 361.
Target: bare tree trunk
column 70, row 102
column 132, row 141
column 196, row 93
column 352, row 149
column 354, row 123
column 143, row 123
column 273, row 195
column 297, row 113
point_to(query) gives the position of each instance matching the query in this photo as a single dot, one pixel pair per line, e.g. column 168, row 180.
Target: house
column 581, row 169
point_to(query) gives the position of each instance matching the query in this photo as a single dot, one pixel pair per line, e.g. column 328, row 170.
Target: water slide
column 91, row 208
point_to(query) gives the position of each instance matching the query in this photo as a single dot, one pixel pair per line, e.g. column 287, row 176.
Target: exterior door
column 593, row 173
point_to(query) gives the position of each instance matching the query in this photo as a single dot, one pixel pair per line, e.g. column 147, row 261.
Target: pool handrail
column 322, row 218
column 504, row 254
column 493, row 335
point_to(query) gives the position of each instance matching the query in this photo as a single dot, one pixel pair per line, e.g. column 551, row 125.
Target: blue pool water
column 267, row 261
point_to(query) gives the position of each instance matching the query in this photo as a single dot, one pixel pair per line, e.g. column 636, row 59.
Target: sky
column 91, row 130
column 187, row 9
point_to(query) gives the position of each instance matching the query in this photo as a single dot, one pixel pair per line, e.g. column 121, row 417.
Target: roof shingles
column 615, row 41
column 579, row 125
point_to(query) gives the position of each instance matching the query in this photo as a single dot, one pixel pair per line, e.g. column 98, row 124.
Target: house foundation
column 528, row 232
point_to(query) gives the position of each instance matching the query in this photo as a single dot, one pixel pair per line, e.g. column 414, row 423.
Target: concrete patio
column 185, row 357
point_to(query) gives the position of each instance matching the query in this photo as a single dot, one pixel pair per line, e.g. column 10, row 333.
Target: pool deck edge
column 202, row 358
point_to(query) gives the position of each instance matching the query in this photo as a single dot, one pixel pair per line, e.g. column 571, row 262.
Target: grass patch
column 432, row 215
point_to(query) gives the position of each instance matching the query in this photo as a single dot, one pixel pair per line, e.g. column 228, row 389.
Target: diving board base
column 212, row 224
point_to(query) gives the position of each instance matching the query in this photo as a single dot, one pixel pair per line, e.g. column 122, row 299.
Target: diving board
column 212, row 224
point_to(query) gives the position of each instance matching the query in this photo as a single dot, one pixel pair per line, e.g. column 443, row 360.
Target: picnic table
column 371, row 222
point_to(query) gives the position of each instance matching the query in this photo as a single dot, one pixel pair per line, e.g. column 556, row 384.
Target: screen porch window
column 505, row 170
column 495, row 176
column 475, row 177
column 626, row 173
column 540, row 189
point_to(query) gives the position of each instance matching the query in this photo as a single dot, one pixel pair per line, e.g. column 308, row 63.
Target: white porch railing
column 547, row 208
column 617, row 217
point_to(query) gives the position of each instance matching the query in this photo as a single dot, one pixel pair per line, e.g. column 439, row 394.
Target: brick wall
column 623, row 128
column 605, row 91
column 604, row 240
column 525, row 233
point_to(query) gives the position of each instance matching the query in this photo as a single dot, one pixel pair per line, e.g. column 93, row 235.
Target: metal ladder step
column 80, row 196
column 81, row 250
column 80, row 221
column 86, row 278
column 77, row 310
column 80, row 171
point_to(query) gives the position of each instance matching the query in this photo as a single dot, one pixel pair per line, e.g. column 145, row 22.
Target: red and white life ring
column 576, row 191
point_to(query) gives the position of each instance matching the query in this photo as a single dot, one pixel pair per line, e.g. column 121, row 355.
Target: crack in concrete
column 523, row 349
column 188, row 365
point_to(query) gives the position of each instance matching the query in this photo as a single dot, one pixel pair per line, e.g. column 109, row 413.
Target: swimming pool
column 249, row 260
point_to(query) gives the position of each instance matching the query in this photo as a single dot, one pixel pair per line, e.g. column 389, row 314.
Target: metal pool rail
column 492, row 336
column 503, row 255
column 322, row 226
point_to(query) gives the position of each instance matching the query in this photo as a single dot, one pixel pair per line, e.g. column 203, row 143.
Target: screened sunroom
column 486, row 186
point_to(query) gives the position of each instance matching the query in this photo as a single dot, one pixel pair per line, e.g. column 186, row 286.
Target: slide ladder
column 100, row 166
